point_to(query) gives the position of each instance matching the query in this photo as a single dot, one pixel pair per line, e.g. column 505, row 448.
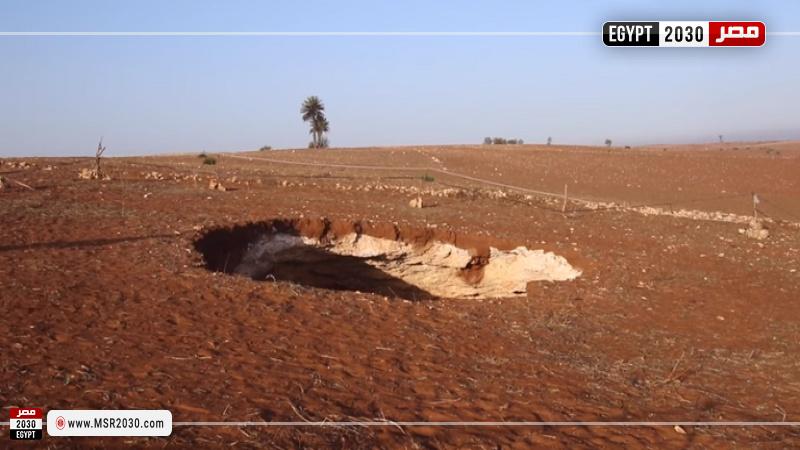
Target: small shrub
column 265, row 148
column 209, row 161
column 428, row 178
column 202, row 155
column 502, row 141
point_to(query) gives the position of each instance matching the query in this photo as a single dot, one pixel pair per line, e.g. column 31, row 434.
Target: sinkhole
column 386, row 259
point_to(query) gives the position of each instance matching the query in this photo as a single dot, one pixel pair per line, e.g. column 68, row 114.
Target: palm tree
column 319, row 126
column 314, row 113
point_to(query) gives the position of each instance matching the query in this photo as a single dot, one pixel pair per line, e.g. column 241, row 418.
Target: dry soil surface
column 108, row 303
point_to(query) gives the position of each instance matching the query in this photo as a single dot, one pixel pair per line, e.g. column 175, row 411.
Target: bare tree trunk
column 97, row 155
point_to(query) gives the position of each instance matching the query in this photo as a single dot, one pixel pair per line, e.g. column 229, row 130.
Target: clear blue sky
column 167, row 94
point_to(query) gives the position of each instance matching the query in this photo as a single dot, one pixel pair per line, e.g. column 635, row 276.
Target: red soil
column 108, row 305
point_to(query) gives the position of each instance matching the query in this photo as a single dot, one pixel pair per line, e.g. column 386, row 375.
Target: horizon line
column 157, row 153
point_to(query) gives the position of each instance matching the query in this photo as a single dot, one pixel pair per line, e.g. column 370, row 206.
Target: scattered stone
column 497, row 194
column 20, row 164
column 3, row 183
column 755, row 230
column 416, row 203
column 92, row 174
column 215, row 185
column 153, row 176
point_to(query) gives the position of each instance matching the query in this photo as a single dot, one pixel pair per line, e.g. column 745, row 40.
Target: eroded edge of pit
column 224, row 248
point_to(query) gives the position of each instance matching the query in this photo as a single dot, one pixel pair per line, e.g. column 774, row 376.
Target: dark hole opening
column 223, row 251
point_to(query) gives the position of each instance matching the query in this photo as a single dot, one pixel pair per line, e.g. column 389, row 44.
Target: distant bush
column 265, row 148
column 549, row 140
column 202, row 155
column 608, row 142
column 209, row 160
column 502, row 141
column 428, row 178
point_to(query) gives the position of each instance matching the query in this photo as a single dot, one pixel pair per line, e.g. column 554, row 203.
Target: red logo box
column 26, row 413
column 736, row 34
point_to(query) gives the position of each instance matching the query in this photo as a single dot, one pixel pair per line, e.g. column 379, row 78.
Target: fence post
column 756, row 201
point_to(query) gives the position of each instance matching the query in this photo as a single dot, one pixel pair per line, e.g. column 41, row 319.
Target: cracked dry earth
column 109, row 303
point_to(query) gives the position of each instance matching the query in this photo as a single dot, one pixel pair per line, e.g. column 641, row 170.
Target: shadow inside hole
column 317, row 267
column 225, row 250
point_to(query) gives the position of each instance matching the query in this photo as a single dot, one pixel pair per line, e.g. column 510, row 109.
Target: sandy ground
column 108, row 304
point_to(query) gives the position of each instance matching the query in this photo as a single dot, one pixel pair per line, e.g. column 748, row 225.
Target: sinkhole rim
column 384, row 258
